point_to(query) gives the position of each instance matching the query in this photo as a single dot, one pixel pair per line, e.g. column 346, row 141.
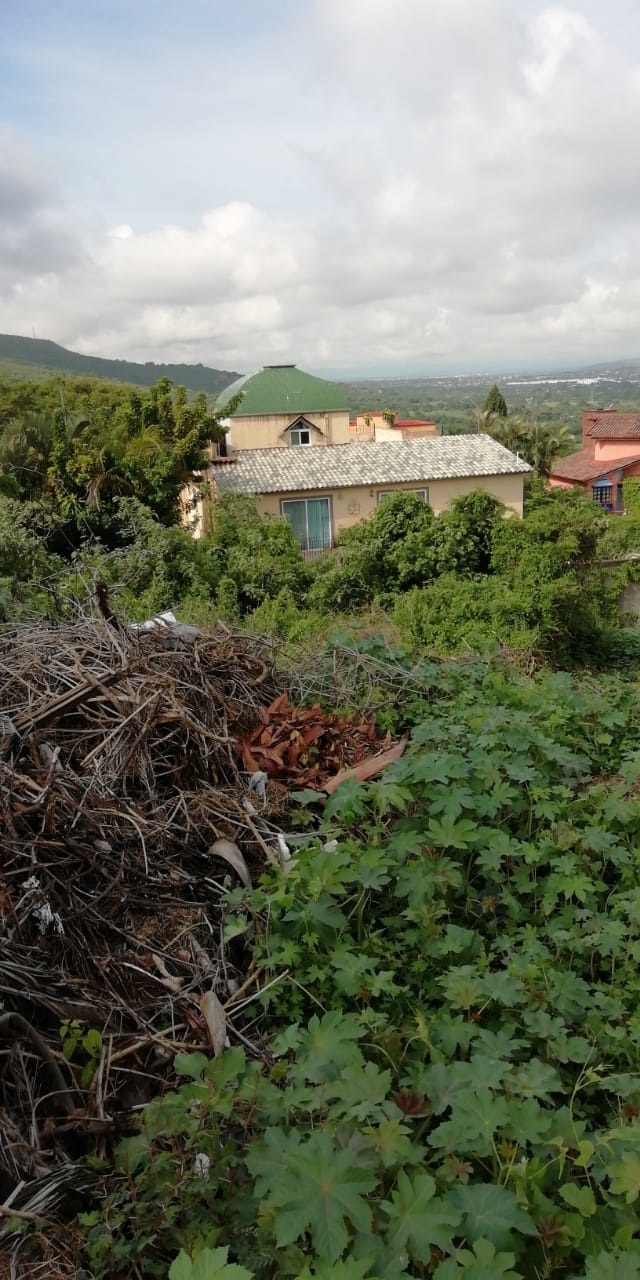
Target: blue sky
column 375, row 186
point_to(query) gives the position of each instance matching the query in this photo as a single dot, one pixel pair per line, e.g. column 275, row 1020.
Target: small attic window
column 299, row 436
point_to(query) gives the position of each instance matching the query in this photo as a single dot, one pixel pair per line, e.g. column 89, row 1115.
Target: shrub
column 631, row 496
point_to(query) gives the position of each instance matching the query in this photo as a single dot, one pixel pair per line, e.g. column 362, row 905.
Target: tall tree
column 145, row 445
column 538, row 443
column 495, row 405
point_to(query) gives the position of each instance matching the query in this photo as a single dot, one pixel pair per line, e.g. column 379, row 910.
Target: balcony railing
column 312, row 552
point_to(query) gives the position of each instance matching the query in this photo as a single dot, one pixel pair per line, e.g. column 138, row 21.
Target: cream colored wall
column 348, row 506
column 269, row 431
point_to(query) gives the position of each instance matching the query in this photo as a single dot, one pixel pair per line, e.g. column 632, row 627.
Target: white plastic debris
column 201, row 1164
column 40, row 909
column 258, row 783
column 283, row 848
column 166, row 619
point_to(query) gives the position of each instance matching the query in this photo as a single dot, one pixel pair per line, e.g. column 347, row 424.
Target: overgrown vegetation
column 449, row 988
column 76, row 451
column 446, row 1080
column 445, row 584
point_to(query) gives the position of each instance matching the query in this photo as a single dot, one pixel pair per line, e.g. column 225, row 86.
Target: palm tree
column 538, row 443
column 28, row 445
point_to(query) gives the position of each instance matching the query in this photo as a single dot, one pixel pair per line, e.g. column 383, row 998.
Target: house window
column 388, row 493
column 310, row 520
column 299, row 435
column 602, row 493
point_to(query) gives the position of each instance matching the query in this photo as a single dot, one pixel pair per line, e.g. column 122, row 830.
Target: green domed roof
column 282, row 388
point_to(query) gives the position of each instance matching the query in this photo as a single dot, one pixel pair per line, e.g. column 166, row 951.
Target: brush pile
column 118, row 773
column 142, row 770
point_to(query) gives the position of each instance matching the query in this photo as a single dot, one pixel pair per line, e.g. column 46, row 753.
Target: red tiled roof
column 582, row 466
column 612, row 426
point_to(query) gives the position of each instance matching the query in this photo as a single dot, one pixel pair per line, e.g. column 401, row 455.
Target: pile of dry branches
column 118, row 773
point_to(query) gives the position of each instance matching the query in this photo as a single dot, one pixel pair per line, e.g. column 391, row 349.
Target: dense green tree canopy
column 78, row 450
column 495, row 405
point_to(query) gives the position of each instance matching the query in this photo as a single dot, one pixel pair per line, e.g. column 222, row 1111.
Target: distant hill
column 37, row 358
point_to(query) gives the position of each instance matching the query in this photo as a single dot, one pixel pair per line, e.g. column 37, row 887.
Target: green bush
column 391, row 551
column 454, row 615
column 28, row 572
column 448, row 1082
column 280, row 616
column 631, row 496
column 465, row 534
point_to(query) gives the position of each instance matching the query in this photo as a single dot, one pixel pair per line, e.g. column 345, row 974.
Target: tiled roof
column 582, row 466
column 343, row 466
column 612, row 426
column 282, row 388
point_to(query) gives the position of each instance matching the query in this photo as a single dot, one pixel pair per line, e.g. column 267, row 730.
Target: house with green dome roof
column 282, row 406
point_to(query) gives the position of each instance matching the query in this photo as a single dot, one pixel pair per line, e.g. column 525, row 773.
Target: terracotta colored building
column 610, row 453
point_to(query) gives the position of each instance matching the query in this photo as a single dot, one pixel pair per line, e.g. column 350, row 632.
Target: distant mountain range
column 37, row 358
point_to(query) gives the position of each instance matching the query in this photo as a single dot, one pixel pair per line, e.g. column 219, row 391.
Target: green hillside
column 34, row 359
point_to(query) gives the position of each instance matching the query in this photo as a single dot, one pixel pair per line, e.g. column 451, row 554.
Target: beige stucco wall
column 377, row 429
column 269, row 431
column 348, row 506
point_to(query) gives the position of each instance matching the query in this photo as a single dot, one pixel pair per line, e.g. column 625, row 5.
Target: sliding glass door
column 310, row 520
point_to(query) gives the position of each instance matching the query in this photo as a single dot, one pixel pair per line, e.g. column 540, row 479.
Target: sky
column 372, row 187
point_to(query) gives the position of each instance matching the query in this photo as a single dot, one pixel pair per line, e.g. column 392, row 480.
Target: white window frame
column 388, row 493
column 295, row 437
column 317, row 497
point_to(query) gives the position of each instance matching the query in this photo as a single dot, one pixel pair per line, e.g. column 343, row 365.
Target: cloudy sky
column 365, row 186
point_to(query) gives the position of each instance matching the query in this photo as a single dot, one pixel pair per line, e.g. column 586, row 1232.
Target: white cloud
column 397, row 183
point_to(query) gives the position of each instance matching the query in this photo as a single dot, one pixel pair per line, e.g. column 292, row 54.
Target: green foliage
column 495, row 405
column 28, row 357
column 25, row 565
column 207, row 1264
column 261, row 557
column 466, row 532
column 622, row 648
column 538, row 443
column 86, row 1042
column 244, row 563
column 281, row 616
column 620, row 535
column 454, row 1089
column 455, row 614
column 391, row 551
column 631, row 496
column 81, row 454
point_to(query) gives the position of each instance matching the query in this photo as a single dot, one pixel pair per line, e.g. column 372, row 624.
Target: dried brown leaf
column 229, row 852
column 216, row 1020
